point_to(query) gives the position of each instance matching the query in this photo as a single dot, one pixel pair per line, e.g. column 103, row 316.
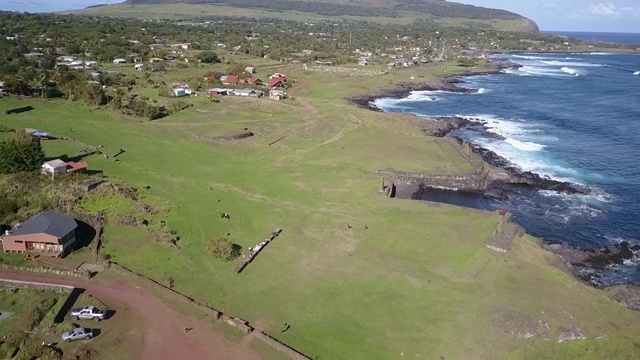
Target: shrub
column 5, row 128
column 37, row 351
column 20, row 152
column 223, row 249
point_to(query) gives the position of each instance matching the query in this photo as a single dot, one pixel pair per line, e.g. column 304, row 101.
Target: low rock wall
column 28, row 285
column 292, row 353
column 69, row 273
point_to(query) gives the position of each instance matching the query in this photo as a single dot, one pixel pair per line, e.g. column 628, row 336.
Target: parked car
column 78, row 333
column 88, row 313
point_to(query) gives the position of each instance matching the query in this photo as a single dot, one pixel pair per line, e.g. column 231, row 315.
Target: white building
column 54, row 168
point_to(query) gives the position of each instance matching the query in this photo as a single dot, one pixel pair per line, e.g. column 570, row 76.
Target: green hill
column 385, row 11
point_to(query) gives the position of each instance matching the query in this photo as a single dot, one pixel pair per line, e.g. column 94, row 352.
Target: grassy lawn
column 408, row 278
column 32, row 322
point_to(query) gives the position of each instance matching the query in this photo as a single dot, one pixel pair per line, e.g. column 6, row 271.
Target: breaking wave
column 524, row 145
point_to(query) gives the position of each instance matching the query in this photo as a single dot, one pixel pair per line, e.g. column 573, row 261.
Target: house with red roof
column 277, row 82
column 229, row 80
column 255, row 81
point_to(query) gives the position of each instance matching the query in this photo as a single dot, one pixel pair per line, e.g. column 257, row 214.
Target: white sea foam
column 636, row 73
column 415, row 96
column 574, row 72
column 483, row 91
column 528, row 70
column 524, row 145
column 570, row 63
column 595, row 196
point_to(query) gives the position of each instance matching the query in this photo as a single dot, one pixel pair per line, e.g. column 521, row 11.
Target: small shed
column 54, row 168
column 139, row 67
column 250, row 69
column 179, row 92
column 120, row 61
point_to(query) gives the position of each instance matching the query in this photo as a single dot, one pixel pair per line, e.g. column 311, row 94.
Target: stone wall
column 28, row 285
column 292, row 353
column 230, row 137
column 69, row 273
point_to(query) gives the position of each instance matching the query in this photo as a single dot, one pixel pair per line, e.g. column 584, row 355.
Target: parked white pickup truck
column 88, row 312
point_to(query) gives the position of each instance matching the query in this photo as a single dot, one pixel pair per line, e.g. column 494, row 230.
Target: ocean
column 609, row 37
column 571, row 117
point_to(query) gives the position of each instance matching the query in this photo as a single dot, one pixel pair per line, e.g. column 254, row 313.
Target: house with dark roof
column 46, row 233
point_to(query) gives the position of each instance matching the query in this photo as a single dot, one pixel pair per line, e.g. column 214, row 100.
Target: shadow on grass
column 85, row 234
column 68, row 305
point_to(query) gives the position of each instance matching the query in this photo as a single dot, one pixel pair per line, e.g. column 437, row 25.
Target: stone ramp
column 505, row 233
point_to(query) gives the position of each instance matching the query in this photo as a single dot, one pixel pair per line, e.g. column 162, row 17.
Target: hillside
column 391, row 11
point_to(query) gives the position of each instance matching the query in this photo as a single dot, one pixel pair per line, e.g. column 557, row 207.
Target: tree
column 223, row 249
column 21, row 152
column 208, row 57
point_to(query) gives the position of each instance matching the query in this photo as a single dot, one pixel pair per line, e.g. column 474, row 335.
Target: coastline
column 494, row 179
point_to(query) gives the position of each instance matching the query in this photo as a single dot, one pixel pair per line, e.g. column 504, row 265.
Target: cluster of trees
column 125, row 103
column 21, row 152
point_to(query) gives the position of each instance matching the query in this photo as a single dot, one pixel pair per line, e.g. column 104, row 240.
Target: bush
column 21, row 152
column 5, row 128
column 37, row 351
column 223, row 249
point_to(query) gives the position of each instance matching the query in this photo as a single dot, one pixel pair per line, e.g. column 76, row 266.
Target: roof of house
column 47, row 222
column 244, row 91
column 254, row 79
column 276, row 81
column 230, row 79
column 56, row 163
column 75, row 166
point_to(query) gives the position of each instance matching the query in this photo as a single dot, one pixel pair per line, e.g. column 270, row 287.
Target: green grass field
column 417, row 281
column 192, row 11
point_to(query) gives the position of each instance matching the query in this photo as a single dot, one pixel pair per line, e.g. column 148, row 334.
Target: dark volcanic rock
column 598, row 259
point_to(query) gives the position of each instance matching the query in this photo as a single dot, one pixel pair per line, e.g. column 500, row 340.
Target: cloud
column 606, row 10
column 548, row 4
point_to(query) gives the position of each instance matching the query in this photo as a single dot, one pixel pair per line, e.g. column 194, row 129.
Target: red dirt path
column 295, row 89
column 161, row 327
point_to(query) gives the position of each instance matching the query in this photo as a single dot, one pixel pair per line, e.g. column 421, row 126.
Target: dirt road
column 162, row 328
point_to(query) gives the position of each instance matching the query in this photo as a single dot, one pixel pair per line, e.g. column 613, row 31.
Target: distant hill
column 375, row 10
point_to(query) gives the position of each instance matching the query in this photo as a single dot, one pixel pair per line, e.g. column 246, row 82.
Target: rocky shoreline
column 501, row 177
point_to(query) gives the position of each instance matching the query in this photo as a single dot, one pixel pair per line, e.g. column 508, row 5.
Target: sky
column 560, row 15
